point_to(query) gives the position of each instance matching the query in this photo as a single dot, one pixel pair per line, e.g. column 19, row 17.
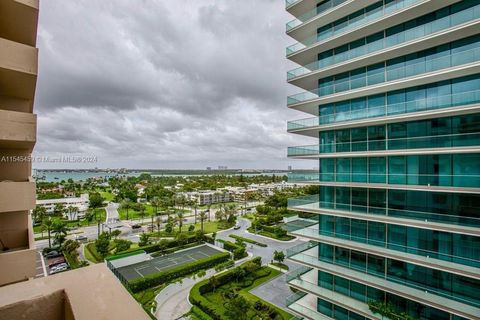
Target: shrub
column 177, row 272
column 200, row 314
column 234, row 236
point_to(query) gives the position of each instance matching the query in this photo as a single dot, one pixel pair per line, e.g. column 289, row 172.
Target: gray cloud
column 165, row 84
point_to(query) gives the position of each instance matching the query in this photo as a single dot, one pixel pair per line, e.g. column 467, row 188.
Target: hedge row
column 200, row 314
column 234, row 236
column 158, row 278
column 93, row 251
column 238, row 251
column 156, row 246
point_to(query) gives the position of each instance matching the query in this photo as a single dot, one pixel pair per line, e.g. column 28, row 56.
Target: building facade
column 393, row 91
column 75, row 207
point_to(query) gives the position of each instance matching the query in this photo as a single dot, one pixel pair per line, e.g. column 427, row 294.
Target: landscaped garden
column 226, row 296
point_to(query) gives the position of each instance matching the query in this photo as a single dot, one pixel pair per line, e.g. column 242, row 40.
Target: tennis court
column 142, row 269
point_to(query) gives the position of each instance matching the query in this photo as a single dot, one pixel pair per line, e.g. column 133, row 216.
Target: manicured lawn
column 149, row 210
column 281, row 265
column 108, row 196
column 91, row 253
column 208, row 227
column 220, row 297
column 270, row 234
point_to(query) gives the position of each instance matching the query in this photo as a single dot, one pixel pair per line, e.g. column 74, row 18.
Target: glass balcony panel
column 395, row 39
column 313, row 203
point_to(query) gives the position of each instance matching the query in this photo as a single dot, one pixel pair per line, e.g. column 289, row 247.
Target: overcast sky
column 165, row 84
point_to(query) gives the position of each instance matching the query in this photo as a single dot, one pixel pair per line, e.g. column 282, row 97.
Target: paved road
column 112, row 213
column 267, row 252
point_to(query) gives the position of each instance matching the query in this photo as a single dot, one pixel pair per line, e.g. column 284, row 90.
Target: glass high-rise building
column 393, row 92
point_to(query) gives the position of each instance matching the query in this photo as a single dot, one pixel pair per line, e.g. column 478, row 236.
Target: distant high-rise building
column 289, row 168
column 393, row 88
column 84, row 294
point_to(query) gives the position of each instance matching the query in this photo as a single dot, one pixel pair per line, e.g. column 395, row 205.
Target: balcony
column 426, row 68
column 305, row 305
column 18, row 70
column 450, row 143
column 18, row 247
column 426, row 220
column 437, row 299
column 19, row 21
column 306, row 280
column 430, row 259
column 392, row 180
column 394, row 13
column 426, row 108
column 17, row 196
column 328, row 12
column 435, row 33
column 17, row 130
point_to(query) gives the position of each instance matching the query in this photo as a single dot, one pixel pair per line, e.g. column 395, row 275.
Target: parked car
column 56, row 261
column 136, row 226
column 53, row 254
column 59, row 269
column 81, row 238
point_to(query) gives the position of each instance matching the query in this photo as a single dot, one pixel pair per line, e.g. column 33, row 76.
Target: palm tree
column 202, row 218
column 195, row 206
column 158, row 222
column 47, row 224
column 156, row 203
column 38, row 213
column 126, row 204
column 72, row 211
column 60, row 229
column 180, row 221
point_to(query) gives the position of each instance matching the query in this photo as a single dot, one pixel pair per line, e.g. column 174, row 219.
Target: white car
column 59, row 268
column 237, row 226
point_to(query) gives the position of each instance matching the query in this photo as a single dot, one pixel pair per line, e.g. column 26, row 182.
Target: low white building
column 79, row 203
column 207, row 197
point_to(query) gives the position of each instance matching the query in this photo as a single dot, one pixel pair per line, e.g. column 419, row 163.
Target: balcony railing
column 288, row 3
column 312, row 13
column 442, row 180
column 312, row 203
column 390, row 74
column 316, row 234
column 351, row 24
column 297, row 273
column 348, row 268
column 441, row 141
column 295, row 297
column 450, row 21
column 433, row 103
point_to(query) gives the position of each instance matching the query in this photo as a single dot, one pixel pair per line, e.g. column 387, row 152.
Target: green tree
column 121, row 245
column 95, row 200
column 191, row 228
column 59, row 228
column 126, row 204
column 38, row 213
column 47, row 224
column 70, row 247
column 278, row 256
column 59, row 209
column 213, row 282
column 180, row 221
column 102, row 244
column 115, row 233
column 144, row 240
column 203, row 215
column 238, row 273
column 237, row 308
